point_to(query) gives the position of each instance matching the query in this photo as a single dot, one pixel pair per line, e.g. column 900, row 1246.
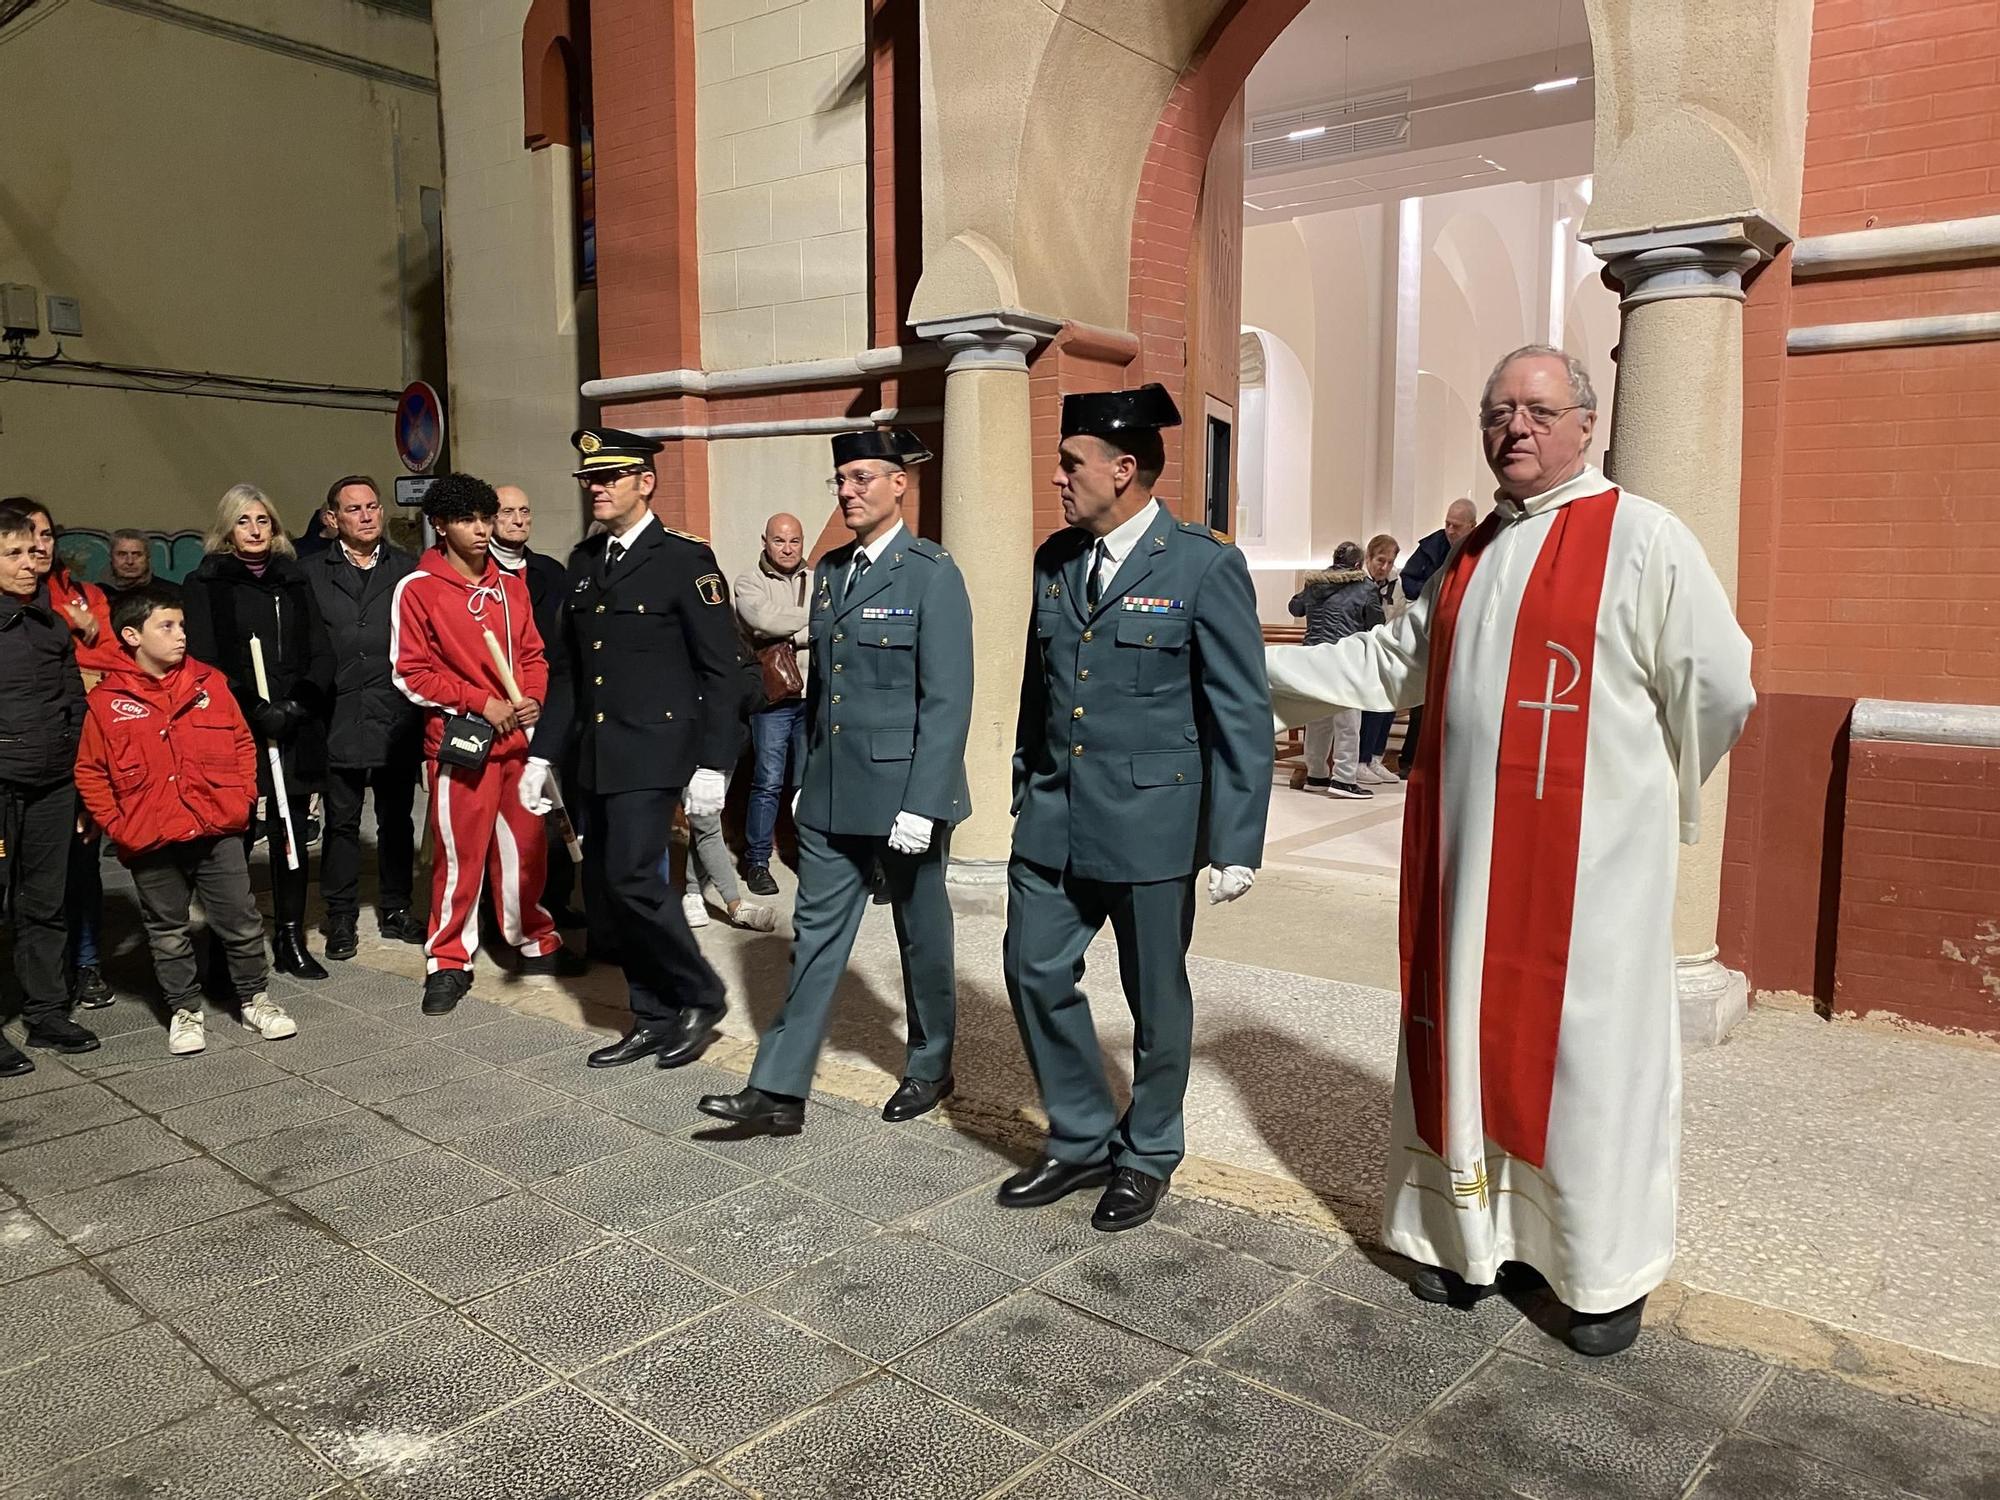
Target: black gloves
column 278, row 721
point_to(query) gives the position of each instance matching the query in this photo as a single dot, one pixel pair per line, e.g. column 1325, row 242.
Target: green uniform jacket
column 1144, row 747
column 889, row 692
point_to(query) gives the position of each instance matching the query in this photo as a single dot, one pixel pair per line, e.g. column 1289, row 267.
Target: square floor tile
column 374, row 992
column 1205, row 1435
column 309, row 1154
column 884, row 1296
column 1384, row 1279
column 228, row 1452
column 405, row 1009
column 28, row 1246
column 253, row 1112
column 893, row 1173
column 515, row 1038
column 565, row 1072
column 554, row 1446
column 26, row 1119
column 1744, row 1469
column 50, row 1072
column 662, row 1099
column 725, row 1376
column 134, row 1382
column 594, row 1306
column 417, row 1383
column 380, row 1201
column 702, row 1486
column 190, row 1080
column 484, row 1248
column 636, row 1189
column 1057, row 1480
column 471, row 1104
column 758, row 1235
column 539, row 1146
column 1039, row 1366
column 148, row 1203
column 390, row 1075
column 1660, row 1365
column 145, row 1047
column 58, row 1310
column 826, row 1132
column 1180, row 1291
column 1412, row 1472
column 1359, row 1361
column 329, row 1043
column 84, row 1160
column 1276, row 1242
column 287, row 1324
column 1565, row 1438
column 1022, row 1242
column 1936, row 1453
column 205, row 1262
column 880, row 1441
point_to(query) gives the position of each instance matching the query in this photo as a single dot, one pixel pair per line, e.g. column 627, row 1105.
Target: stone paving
column 400, row 1257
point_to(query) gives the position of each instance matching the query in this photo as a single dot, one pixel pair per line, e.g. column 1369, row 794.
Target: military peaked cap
column 609, row 448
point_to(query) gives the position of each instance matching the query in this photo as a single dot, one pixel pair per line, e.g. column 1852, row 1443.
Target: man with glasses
column 650, row 712
column 1584, row 673
column 889, row 708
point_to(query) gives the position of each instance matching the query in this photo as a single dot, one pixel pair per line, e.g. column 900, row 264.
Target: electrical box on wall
column 66, row 316
column 20, row 311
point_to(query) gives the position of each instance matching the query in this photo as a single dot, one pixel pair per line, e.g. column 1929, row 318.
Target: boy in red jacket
column 438, row 651
column 168, row 770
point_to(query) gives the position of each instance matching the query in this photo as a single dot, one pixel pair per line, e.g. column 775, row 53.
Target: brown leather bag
column 779, row 665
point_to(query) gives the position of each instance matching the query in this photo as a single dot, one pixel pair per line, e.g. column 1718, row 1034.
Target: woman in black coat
column 251, row 584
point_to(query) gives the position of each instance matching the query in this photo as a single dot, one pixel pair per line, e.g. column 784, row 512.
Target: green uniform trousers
column 1052, row 915
column 833, row 893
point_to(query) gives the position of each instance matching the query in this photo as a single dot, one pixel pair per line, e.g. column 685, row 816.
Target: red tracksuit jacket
column 439, row 657
column 105, row 654
column 165, row 759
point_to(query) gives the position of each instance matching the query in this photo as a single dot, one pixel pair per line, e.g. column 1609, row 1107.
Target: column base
column 1712, row 1000
column 977, row 887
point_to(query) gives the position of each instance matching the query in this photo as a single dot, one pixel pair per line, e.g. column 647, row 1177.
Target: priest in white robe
column 1582, row 673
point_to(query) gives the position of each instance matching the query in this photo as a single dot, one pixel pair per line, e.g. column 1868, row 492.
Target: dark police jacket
column 1144, row 746
column 372, row 722
column 888, row 691
column 652, row 685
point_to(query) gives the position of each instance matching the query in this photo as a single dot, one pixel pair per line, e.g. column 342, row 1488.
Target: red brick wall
column 1920, row 886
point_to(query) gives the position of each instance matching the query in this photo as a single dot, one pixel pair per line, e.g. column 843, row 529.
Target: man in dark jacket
column 1459, row 519
column 375, row 738
column 41, row 715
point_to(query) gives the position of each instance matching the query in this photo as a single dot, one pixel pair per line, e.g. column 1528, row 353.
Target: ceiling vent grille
column 1329, row 132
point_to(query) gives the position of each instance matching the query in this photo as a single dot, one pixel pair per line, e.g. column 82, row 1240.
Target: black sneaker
column 342, row 941
column 565, row 963
column 444, row 989
column 1317, row 783
column 61, row 1034
column 13, row 1061
column 89, row 989
column 402, row 925
column 1348, row 790
column 758, row 879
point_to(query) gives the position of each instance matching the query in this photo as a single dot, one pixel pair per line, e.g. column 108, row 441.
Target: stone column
column 988, row 521
column 1677, row 437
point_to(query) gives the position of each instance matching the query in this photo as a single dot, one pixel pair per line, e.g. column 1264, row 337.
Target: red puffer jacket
column 166, row 759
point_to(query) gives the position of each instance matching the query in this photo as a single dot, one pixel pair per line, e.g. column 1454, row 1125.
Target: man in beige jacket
column 773, row 605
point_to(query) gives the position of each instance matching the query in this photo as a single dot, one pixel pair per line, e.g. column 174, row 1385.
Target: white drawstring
column 475, row 606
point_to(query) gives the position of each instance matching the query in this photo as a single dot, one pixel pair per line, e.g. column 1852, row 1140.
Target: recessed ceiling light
column 1311, row 131
column 1550, row 85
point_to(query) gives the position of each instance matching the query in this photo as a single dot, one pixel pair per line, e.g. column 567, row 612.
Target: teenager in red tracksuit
column 441, row 661
column 168, row 770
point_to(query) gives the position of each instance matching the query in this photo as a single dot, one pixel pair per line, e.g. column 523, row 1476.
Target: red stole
column 1538, row 815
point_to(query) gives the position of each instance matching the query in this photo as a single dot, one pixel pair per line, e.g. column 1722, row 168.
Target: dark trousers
column 1375, row 729
column 216, row 870
column 1412, row 738
column 85, row 897
column 38, row 824
column 834, row 871
column 1051, row 917
column 395, row 836
column 288, row 886
column 665, row 973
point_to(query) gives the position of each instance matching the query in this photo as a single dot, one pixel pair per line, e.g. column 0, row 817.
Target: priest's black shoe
column 774, row 1114
column 1599, row 1334
column 13, row 1061
column 1049, row 1180
column 917, row 1096
column 61, row 1034
column 1448, row 1288
column 1129, row 1201
column 691, row 1037
column 343, row 940
column 290, row 955
column 639, row 1042
column 444, row 989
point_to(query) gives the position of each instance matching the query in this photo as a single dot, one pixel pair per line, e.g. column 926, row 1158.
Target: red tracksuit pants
column 478, row 826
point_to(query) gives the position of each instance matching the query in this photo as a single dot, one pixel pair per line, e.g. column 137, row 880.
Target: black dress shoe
column 565, row 963
column 401, row 925
column 13, row 1061
column 343, row 941
column 639, row 1042
column 774, row 1114
column 89, row 988
column 758, row 878
column 1049, row 1180
column 1446, row 1288
column 1599, row 1334
column 1129, row 1201
column 917, row 1096
column 290, row 955
column 691, row 1038
column 444, row 989
column 61, row 1034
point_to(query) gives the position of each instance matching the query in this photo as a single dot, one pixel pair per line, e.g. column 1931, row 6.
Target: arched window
column 556, row 108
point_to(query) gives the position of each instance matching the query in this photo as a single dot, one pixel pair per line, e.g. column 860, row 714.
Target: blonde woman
column 250, row 584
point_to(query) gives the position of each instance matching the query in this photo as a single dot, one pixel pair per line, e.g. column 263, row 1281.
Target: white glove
column 534, row 788
column 795, row 806
column 910, row 834
column 706, row 790
column 1227, row 882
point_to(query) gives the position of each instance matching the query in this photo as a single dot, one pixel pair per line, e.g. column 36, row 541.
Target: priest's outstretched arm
column 1697, row 662
column 1380, row 670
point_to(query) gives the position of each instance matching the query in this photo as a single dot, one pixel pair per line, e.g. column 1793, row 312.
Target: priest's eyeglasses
column 1541, row 418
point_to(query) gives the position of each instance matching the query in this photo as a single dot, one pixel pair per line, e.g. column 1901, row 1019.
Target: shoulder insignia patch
column 710, row 587
column 1220, row 536
column 686, row 536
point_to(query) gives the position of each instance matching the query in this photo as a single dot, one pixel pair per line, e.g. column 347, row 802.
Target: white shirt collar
column 876, row 548
column 1588, row 481
column 1118, row 544
column 353, row 561
column 638, row 530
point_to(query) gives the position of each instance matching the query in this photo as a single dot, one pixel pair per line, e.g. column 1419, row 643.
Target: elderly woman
column 1380, row 565
column 1336, row 603
column 250, row 585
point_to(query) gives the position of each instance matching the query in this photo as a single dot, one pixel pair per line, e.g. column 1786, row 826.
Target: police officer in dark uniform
column 650, row 713
column 1143, row 753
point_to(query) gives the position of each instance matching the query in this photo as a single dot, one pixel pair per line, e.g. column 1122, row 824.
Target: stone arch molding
column 1039, row 114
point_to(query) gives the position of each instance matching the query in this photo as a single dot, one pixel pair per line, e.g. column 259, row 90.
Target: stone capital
column 1693, row 260
column 998, row 340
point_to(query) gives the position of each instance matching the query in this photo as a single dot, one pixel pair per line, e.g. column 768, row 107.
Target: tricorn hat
column 610, row 448
column 1107, row 413
column 898, row 445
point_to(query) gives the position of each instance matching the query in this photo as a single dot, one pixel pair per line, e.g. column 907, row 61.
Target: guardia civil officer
column 650, row 712
column 1143, row 752
column 888, row 708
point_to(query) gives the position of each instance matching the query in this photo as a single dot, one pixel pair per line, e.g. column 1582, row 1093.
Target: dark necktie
column 612, row 553
column 854, row 576
column 1096, row 584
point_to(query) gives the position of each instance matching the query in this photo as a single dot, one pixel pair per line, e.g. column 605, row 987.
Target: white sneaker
column 184, row 1033
column 1369, row 773
column 267, row 1018
column 695, row 908
column 753, row 916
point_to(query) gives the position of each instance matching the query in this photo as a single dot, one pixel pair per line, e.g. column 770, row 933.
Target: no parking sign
column 419, row 427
